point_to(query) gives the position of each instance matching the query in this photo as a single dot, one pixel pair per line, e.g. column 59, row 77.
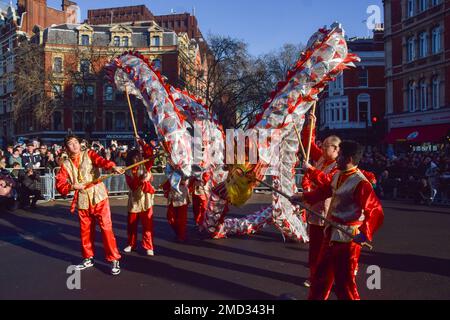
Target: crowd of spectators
column 22, row 165
column 422, row 177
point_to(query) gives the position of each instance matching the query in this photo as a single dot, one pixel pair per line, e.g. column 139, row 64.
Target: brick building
column 141, row 15
column 119, row 15
column 16, row 24
column 36, row 12
column 75, row 54
column 353, row 106
column 417, row 73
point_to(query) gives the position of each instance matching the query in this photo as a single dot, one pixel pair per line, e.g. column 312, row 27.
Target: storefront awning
column 434, row 133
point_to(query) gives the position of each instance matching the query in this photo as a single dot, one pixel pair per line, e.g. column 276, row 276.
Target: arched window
column 423, row 95
column 423, row 44
column 108, row 93
column 423, row 5
column 364, row 109
column 436, row 40
column 412, row 96
column 411, row 8
column 435, row 92
column 411, row 49
column 125, row 42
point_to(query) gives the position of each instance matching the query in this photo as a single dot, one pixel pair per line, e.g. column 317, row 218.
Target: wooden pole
column 103, row 178
column 131, row 112
column 312, row 126
column 299, row 137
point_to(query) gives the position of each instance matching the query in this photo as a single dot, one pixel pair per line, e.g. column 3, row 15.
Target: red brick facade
column 350, row 103
column 38, row 13
column 417, row 43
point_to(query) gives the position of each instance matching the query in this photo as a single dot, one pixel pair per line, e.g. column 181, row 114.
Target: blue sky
column 265, row 24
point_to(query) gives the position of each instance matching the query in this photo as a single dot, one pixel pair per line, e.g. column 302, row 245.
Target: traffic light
column 374, row 120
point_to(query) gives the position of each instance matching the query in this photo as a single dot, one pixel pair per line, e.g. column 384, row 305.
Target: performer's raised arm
column 100, row 162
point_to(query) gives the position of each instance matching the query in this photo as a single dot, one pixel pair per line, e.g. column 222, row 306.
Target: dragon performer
column 195, row 141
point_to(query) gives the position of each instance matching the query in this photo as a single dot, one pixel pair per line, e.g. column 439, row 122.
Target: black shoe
column 87, row 263
column 115, row 268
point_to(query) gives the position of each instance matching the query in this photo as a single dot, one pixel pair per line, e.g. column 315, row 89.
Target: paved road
column 412, row 250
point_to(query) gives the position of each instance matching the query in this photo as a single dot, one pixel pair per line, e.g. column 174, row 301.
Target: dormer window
column 156, row 41
column 116, row 41
column 125, row 42
column 85, row 40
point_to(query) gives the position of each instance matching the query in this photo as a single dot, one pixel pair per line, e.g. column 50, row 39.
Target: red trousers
column 177, row 218
column 100, row 213
column 199, row 206
column 147, row 229
column 315, row 244
column 338, row 263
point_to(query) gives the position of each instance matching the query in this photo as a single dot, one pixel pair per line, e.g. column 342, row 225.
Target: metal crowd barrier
column 116, row 185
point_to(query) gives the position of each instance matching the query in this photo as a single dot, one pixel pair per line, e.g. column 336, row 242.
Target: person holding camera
column 29, row 182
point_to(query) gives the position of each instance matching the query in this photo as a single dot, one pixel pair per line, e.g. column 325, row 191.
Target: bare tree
column 40, row 90
column 235, row 84
column 35, row 89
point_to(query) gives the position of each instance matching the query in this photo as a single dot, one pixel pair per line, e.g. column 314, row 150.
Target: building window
column 436, row 40
column 85, row 66
column 156, row 41
column 344, row 112
column 423, row 95
column 57, row 65
column 435, row 92
column 84, row 40
column 78, row 92
column 89, row 121
column 423, row 5
column 57, row 91
column 120, row 121
column 411, row 8
column 435, row 2
column 412, row 96
column 364, row 108
column 57, row 121
column 109, row 93
column 109, row 121
column 78, row 121
column 125, row 42
column 90, row 92
column 117, row 41
column 363, row 77
column 423, row 45
column 157, row 64
column 411, row 54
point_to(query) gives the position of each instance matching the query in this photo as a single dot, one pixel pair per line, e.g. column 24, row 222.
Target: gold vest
column 178, row 200
column 322, row 206
column 139, row 201
column 344, row 208
column 86, row 173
